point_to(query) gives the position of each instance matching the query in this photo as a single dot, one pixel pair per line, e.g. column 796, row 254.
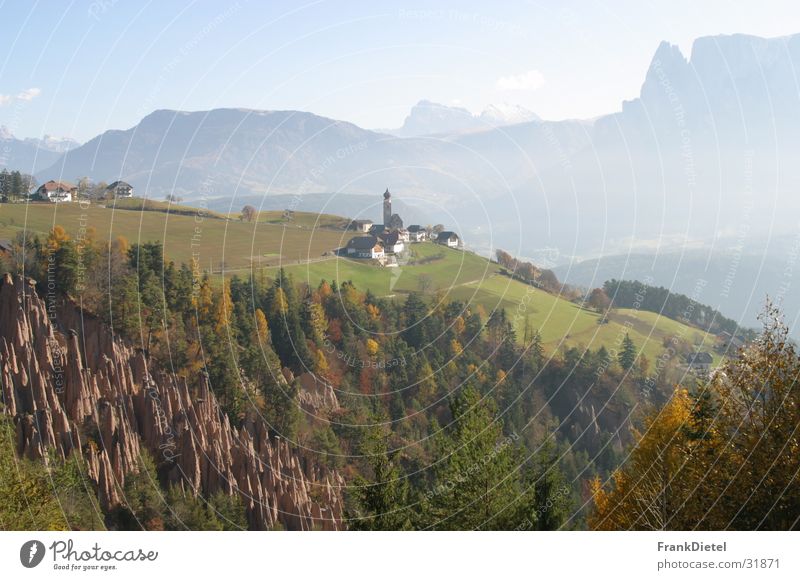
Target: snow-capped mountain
column 507, row 114
column 56, row 144
column 31, row 155
column 429, row 118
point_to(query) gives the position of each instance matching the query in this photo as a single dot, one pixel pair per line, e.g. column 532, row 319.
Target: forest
column 438, row 416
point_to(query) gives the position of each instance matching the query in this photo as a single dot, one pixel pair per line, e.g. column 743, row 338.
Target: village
column 59, row 191
column 386, row 242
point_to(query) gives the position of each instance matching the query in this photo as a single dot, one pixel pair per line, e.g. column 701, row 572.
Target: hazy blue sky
column 79, row 68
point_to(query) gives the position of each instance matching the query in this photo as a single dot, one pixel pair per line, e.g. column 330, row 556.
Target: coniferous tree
column 476, row 482
column 627, row 356
column 382, row 500
column 414, row 327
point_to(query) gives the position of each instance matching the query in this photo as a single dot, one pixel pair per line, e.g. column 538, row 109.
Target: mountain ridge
column 703, row 133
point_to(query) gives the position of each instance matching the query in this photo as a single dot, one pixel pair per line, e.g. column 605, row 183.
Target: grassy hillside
column 207, row 236
column 300, row 245
column 470, row 278
column 142, row 204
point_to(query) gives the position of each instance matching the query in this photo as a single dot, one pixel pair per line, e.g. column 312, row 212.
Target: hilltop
column 305, row 245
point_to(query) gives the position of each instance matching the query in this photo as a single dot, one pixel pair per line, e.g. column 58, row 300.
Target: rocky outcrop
column 71, row 386
column 316, row 395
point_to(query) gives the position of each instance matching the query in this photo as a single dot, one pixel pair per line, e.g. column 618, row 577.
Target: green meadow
column 305, row 245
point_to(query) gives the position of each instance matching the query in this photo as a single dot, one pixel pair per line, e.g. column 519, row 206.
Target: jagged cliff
column 73, row 387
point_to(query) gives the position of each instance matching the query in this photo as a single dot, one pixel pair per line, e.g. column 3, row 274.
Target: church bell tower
column 387, row 208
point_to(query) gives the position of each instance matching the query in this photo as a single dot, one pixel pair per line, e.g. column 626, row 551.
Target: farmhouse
column 120, row 189
column 730, row 341
column 367, row 247
column 449, row 239
column 392, row 242
column 56, row 191
column 417, row 234
column 699, row 362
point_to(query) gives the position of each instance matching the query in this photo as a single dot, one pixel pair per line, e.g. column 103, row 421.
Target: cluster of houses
column 385, row 241
column 63, row 191
column 698, row 362
column 701, row 363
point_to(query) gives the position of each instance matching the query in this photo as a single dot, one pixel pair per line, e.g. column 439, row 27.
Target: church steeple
column 387, row 208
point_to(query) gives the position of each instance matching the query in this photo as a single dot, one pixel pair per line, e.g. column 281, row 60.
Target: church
column 388, row 237
column 391, row 221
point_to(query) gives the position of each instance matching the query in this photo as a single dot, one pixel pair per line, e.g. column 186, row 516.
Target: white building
column 56, row 191
column 366, row 247
column 392, row 243
column 417, row 234
column 449, row 239
column 120, row 189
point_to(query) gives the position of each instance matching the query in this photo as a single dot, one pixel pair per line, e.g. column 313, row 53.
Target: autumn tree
column 722, row 455
column 599, row 300
column 644, row 494
column 249, row 213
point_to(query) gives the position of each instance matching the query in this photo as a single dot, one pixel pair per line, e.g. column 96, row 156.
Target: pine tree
column 627, row 356
column 476, row 485
column 17, row 187
column 383, row 500
column 550, row 495
column 414, row 313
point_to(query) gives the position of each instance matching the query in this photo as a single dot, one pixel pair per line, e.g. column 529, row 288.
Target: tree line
column 15, row 185
column 634, row 294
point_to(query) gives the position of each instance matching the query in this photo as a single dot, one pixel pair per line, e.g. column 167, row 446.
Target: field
column 210, row 238
column 429, row 268
column 472, row 279
column 305, row 247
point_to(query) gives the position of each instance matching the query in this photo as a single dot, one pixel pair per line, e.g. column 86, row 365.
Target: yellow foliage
column 373, row 311
column 224, row 307
column 372, row 347
column 321, row 363
column 203, row 299
column 643, row 494
column 262, row 326
column 121, row 245
column 57, row 237
column 280, row 304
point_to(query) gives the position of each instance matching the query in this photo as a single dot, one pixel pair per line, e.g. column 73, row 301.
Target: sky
column 76, row 69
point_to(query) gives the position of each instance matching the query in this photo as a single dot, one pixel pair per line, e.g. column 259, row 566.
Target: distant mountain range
column 705, row 134
column 706, row 152
column 427, row 118
column 31, row 155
